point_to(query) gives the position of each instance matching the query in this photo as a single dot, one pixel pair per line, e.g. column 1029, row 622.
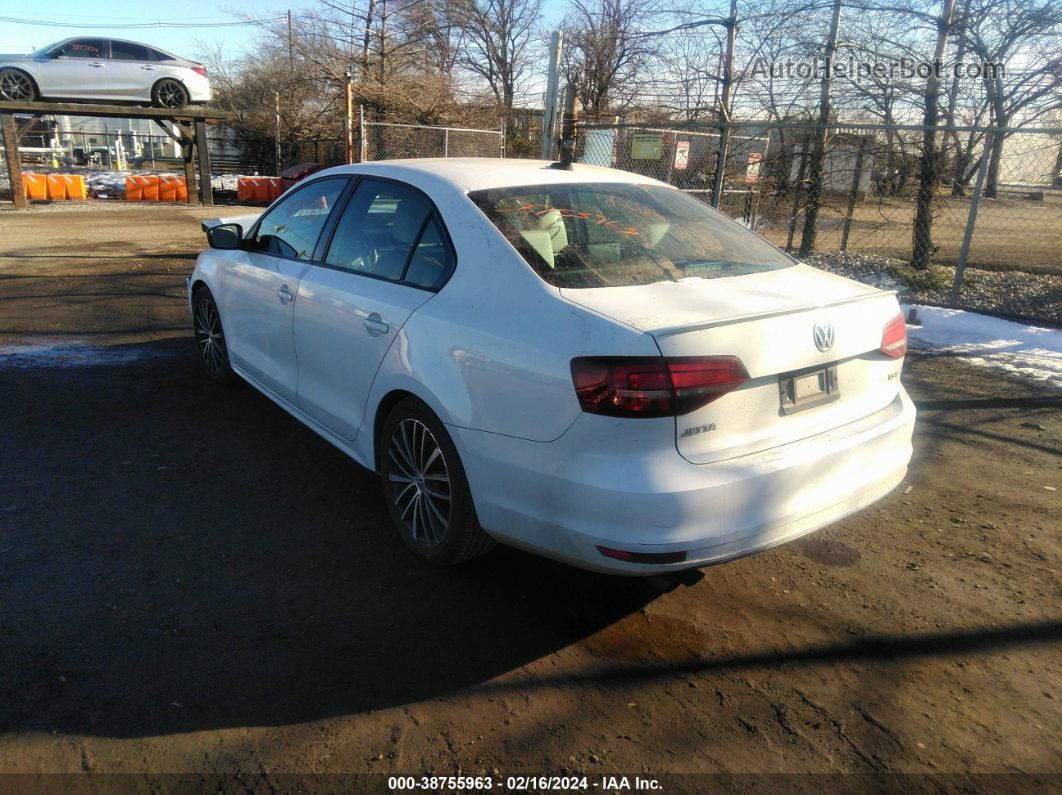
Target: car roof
column 480, row 173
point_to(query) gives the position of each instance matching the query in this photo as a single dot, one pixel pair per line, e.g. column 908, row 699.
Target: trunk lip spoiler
column 671, row 331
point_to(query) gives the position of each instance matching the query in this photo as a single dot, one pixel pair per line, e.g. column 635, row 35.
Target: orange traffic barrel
column 173, row 189
column 35, row 186
column 141, row 188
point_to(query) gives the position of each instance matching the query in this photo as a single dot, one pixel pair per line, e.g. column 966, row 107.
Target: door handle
column 149, row 68
column 285, row 295
column 376, row 325
column 96, row 64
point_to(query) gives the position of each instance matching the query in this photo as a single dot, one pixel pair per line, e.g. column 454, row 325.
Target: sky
column 185, row 41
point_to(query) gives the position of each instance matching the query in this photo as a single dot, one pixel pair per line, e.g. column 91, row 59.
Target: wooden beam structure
column 190, row 123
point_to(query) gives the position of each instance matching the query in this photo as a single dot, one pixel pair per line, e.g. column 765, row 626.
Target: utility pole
column 724, row 105
column 369, row 14
column 818, row 152
column 291, row 46
column 566, row 145
column 348, row 119
column 549, row 108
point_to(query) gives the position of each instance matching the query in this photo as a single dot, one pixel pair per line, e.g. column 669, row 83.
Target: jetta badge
column 823, row 336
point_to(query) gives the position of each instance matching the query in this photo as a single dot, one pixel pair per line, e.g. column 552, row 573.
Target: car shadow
column 177, row 556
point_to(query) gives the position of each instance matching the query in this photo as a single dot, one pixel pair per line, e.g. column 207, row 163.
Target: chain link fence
column 991, row 209
column 387, row 141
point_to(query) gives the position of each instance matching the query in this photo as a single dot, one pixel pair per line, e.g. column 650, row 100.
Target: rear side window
column 127, row 51
column 614, row 235
column 291, row 229
column 381, row 233
column 431, row 261
column 84, row 48
column 157, row 55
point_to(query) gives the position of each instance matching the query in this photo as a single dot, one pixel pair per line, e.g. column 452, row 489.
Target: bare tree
column 498, row 42
column 1008, row 32
column 606, row 52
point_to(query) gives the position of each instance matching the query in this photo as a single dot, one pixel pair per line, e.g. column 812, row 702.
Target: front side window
column 378, row 230
column 291, row 229
column 613, row 235
column 83, row 48
column 127, row 51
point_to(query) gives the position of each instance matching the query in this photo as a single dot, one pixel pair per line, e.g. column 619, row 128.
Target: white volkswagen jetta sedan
column 584, row 363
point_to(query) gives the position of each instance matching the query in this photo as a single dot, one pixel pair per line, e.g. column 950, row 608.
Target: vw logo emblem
column 823, row 336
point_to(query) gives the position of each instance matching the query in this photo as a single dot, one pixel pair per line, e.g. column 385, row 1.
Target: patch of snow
column 1025, row 350
column 73, row 355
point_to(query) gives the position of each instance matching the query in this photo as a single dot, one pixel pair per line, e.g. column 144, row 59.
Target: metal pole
column 971, row 218
column 362, row 148
column 348, row 120
column 446, row 142
column 853, row 196
column 276, row 98
column 549, row 108
column 720, row 163
column 501, row 138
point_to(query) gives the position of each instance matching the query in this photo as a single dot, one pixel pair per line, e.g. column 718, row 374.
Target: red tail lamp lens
column 894, row 338
column 652, row 386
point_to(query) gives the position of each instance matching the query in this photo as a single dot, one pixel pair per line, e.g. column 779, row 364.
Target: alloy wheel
column 419, row 482
column 15, row 86
column 171, row 95
column 209, row 335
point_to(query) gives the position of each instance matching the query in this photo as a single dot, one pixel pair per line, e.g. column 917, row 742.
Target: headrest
column 553, row 222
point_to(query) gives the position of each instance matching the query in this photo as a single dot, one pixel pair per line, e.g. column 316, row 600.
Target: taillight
column 200, row 70
column 652, row 386
column 894, row 338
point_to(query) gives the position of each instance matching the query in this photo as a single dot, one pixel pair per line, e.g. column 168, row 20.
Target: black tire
column 16, row 86
column 431, row 487
column 169, row 93
column 210, row 337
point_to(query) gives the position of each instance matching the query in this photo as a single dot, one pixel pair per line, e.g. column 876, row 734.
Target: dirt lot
column 191, row 582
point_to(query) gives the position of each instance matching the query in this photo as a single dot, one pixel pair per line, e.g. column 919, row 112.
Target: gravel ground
column 1036, row 296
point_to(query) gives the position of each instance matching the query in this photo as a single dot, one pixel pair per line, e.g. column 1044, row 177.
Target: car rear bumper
column 559, row 501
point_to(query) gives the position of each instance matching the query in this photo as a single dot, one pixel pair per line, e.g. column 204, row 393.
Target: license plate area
column 805, row 389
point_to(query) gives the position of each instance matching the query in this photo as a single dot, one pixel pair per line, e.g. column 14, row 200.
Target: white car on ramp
column 584, row 363
column 103, row 70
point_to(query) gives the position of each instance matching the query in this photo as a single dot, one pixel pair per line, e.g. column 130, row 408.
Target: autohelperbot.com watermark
column 859, row 70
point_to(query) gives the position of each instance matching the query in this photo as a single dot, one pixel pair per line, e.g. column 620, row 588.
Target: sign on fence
column 752, row 171
column 646, row 146
column 682, row 155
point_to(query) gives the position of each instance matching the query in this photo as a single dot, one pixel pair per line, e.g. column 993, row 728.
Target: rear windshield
column 613, row 235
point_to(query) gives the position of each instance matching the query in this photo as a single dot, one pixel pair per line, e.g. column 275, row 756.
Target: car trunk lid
column 769, row 321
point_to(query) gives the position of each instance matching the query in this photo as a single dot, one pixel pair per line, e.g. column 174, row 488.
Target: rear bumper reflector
column 654, row 558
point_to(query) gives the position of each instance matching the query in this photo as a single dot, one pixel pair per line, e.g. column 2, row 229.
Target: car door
column 76, row 69
column 388, row 253
column 131, row 71
column 259, row 283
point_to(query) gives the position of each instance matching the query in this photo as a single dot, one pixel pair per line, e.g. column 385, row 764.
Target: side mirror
column 225, row 236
